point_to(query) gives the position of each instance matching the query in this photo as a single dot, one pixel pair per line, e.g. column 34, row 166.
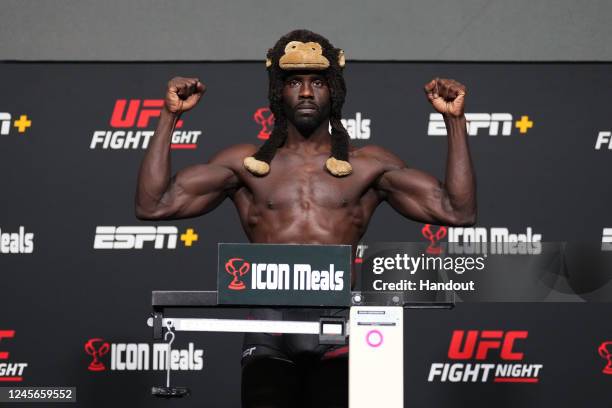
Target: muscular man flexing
column 305, row 185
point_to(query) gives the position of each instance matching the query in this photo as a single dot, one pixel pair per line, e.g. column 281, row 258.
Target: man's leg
column 328, row 383
column 270, row 378
column 270, row 383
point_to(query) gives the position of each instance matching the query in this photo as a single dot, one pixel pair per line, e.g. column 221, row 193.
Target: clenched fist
column 183, row 94
column 447, row 96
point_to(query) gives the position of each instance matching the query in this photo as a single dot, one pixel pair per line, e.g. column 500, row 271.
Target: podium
column 375, row 325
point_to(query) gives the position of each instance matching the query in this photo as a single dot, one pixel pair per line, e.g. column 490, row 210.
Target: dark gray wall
column 408, row 30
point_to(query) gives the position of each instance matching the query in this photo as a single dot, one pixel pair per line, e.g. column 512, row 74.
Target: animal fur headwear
column 304, row 50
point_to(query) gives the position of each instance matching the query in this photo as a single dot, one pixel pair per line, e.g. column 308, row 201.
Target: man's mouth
column 306, row 108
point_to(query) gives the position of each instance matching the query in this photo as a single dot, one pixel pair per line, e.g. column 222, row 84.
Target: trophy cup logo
column 243, row 269
column 265, row 118
column 96, row 348
column 605, row 351
column 433, row 238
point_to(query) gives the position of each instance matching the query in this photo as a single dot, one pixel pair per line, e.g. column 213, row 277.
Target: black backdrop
column 60, row 183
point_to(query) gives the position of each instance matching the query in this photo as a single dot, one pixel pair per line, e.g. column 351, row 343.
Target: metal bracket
column 158, row 321
column 332, row 330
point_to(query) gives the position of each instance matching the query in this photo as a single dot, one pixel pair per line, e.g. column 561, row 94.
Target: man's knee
column 270, row 383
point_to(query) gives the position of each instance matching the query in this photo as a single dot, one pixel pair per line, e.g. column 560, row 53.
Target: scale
column 375, row 325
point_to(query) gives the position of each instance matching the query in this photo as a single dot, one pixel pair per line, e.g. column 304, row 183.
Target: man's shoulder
column 239, row 149
column 234, row 154
column 378, row 153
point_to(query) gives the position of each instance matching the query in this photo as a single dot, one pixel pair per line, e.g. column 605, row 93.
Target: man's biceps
column 410, row 207
column 390, row 177
column 223, row 174
column 422, row 182
column 403, row 181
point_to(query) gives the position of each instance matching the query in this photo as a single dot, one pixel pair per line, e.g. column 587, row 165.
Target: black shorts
column 293, row 370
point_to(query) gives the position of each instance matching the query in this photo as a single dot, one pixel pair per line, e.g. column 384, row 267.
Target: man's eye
column 318, row 83
column 294, row 82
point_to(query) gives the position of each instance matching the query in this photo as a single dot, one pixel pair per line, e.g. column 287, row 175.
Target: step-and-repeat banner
column 77, row 267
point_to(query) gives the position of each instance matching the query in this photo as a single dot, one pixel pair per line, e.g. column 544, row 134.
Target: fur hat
column 304, row 50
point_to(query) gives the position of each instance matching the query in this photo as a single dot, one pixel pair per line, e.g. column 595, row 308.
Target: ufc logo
column 603, row 139
column 475, row 121
column 137, row 113
column 6, row 334
column 5, row 123
column 135, row 237
column 606, row 239
column 477, row 344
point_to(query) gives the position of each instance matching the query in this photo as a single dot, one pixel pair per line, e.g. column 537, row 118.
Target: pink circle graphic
column 374, row 338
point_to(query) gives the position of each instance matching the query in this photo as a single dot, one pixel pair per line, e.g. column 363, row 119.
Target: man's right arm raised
column 194, row 190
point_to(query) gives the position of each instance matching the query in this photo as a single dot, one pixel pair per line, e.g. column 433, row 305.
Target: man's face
column 306, row 101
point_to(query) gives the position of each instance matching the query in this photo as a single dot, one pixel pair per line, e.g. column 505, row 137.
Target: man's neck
column 318, row 140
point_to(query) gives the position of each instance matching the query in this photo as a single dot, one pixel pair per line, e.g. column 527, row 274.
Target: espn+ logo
column 136, row 237
column 493, row 124
column 7, row 123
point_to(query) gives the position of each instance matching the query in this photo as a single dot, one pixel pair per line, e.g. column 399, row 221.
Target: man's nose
column 306, row 90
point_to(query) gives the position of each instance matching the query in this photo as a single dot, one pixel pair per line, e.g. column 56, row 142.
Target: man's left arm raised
column 420, row 196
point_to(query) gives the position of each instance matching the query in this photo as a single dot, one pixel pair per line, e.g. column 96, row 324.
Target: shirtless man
column 291, row 191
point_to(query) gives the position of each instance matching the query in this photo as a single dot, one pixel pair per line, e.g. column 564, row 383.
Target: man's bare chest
column 304, row 181
column 304, row 188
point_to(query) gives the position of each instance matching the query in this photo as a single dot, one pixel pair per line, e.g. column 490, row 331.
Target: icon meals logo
column 141, row 356
column 96, row 348
column 433, row 238
column 605, row 351
column 496, row 240
column 357, row 127
column 478, row 347
column 264, row 118
column 243, row 268
column 129, row 121
column 483, row 240
column 272, row 276
column 21, row 242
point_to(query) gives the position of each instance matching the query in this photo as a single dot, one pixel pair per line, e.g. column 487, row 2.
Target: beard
column 306, row 124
